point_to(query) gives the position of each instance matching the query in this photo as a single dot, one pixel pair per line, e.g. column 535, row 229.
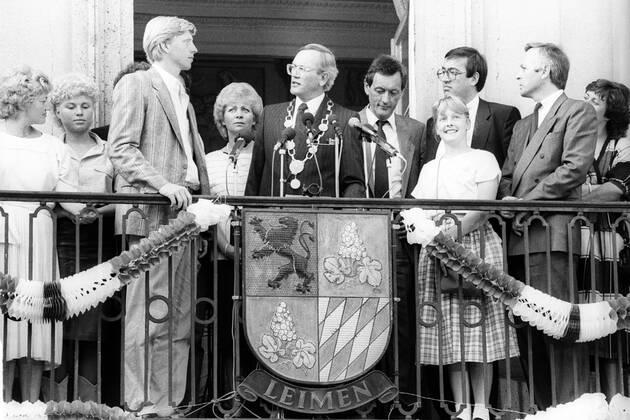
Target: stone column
column 595, row 36
column 94, row 37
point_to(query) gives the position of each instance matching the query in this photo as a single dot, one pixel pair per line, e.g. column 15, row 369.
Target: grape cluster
column 282, row 324
column 351, row 245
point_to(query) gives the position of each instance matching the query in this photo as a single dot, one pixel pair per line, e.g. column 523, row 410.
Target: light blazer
column 146, row 147
column 268, row 131
column 410, row 133
column 552, row 166
column 492, row 132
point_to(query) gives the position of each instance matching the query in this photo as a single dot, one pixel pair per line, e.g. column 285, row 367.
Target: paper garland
column 71, row 296
column 556, row 318
column 586, row 407
column 62, row 410
column 24, row 299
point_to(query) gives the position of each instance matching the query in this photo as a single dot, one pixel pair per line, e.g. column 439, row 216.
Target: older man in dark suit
column 549, row 155
column 155, row 148
column 384, row 83
column 463, row 74
column 310, row 159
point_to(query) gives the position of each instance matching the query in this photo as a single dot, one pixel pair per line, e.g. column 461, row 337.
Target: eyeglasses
column 450, row 73
column 291, row 68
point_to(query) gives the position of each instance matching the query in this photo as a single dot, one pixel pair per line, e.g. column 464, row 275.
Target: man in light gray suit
column 548, row 157
column 384, row 84
column 155, row 148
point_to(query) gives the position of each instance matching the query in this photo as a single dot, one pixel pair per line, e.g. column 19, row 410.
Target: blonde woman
column 29, row 161
column 73, row 101
column 237, row 109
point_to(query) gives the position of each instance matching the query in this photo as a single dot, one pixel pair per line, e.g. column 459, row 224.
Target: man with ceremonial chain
column 309, row 158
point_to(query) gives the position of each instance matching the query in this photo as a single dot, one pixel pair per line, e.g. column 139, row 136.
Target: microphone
column 243, row 138
column 368, row 130
column 286, row 135
column 336, row 128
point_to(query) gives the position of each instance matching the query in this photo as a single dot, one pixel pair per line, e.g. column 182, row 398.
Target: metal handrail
column 322, row 202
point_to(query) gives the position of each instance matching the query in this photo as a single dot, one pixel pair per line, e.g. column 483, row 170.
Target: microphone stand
column 282, row 152
column 337, row 164
column 365, row 146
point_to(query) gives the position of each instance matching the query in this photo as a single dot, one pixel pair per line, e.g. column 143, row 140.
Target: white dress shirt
column 546, row 105
column 313, row 106
column 180, row 100
column 394, row 171
column 472, row 106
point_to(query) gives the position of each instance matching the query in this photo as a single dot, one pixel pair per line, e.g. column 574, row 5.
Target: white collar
column 473, row 106
column 172, row 82
column 549, row 100
column 97, row 149
column 371, row 118
column 313, row 104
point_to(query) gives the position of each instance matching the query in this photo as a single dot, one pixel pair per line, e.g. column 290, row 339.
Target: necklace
column 296, row 166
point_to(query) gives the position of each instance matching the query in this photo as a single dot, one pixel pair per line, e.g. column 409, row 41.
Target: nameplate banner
column 350, row 395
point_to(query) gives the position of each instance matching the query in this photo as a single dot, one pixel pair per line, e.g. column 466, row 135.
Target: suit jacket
column 552, row 166
column 410, row 133
column 146, row 147
column 268, row 131
column 492, row 132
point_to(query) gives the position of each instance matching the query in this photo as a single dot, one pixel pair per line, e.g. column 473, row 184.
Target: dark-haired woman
column 607, row 180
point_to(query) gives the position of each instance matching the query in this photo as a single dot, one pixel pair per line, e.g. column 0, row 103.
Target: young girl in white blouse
column 468, row 174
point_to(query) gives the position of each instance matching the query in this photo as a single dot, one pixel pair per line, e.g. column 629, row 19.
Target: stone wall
column 94, row 37
column 594, row 34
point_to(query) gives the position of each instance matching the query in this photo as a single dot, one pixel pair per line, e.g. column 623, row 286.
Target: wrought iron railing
column 211, row 387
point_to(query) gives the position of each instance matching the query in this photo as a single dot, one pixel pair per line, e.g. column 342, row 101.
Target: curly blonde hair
column 70, row 86
column 236, row 93
column 21, row 87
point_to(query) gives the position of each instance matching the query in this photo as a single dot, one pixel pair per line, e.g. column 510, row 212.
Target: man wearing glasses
column 463, row 74
column 309, row 158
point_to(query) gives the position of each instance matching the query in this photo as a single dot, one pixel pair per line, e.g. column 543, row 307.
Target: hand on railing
column 518, row 223
column 86, row 216
column 180, row 196
column 507, row 214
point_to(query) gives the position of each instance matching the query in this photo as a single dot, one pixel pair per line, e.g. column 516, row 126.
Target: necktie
column 299, row 115
column 534, row 127
column 381, row 177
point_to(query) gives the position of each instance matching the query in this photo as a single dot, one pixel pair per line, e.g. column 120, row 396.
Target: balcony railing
column 216, row 366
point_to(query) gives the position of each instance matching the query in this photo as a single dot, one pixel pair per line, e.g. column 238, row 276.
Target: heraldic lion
column 279, row 240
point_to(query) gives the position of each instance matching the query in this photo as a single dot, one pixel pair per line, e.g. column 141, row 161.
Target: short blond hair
column 21, row 87
column 70, row 86
column 236, row 93
column 159, row 31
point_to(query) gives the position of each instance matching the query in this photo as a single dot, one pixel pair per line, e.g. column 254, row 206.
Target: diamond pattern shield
column 318, row 292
